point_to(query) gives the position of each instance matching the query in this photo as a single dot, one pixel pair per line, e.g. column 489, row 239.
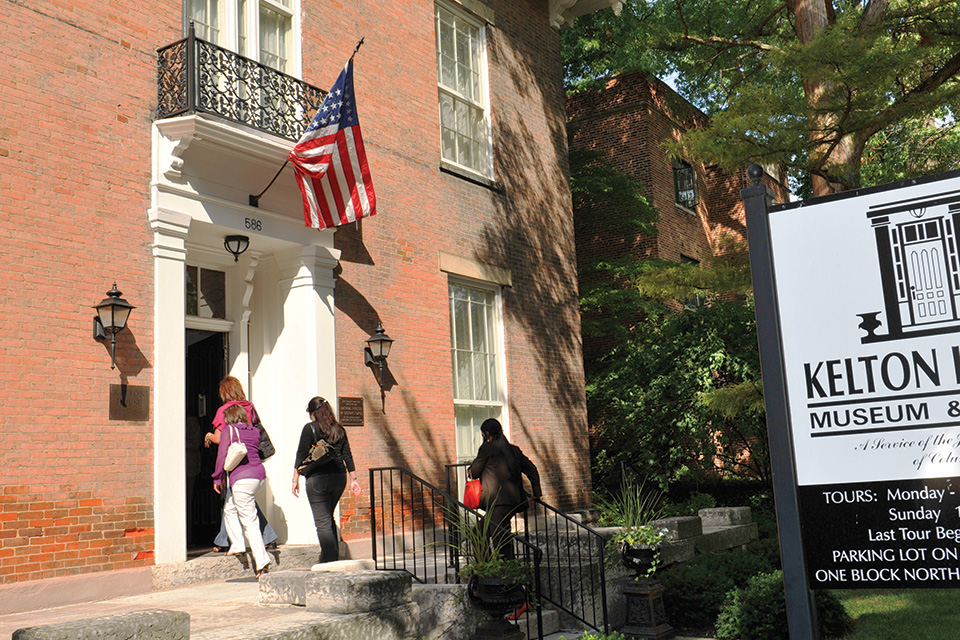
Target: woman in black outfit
column 499, row 466
column 326, row 476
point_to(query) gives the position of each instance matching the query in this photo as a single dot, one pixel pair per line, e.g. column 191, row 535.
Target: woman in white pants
column 244, row 480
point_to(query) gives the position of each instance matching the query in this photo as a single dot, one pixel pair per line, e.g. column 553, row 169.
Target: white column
column 169, row 406
column 303, row 365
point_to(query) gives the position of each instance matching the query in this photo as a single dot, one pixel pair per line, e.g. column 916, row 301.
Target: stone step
column 331, row 591
column 212, row 567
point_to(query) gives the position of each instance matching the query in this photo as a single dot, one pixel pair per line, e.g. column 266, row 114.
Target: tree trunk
column 812, row 17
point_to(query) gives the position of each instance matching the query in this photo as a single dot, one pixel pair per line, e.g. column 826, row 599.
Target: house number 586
column 253, row 224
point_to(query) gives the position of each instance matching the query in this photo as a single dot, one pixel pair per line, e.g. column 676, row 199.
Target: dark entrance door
column 205, row 364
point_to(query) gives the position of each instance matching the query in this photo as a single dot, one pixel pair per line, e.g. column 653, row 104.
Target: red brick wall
column 390, row 266
column 629, row 121
column 76, row 490
column 78, row 92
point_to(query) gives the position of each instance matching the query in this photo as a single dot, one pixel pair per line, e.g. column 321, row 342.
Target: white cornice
column 564, row 12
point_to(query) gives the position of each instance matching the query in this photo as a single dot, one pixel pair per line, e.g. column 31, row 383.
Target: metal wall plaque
column 129, row 402
column 350, row 411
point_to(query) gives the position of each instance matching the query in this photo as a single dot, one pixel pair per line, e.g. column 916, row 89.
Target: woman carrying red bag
column 500, row 466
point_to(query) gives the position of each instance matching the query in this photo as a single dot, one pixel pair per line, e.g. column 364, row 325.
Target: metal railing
column 572, row 562
column 194, row 75
column 413, row 529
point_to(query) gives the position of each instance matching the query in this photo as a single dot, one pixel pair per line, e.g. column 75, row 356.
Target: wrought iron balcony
column 196, row 76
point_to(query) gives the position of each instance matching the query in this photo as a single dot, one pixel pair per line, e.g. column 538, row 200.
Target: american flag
column 330, row 163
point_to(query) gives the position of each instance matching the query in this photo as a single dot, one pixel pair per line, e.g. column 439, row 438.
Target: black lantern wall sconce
column 236, row 245
column 112, row 314
column 375, row 353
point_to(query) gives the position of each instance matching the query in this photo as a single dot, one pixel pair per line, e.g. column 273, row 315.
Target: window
column 206, row 293
column 461, row 76
column 478, row 391
column 684, row 184
column 262, row 29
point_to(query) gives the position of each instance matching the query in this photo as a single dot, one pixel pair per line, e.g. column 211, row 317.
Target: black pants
column 500, row 529
column 323, row 492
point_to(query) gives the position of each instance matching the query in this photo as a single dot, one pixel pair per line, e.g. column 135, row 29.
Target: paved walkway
column 214, row 609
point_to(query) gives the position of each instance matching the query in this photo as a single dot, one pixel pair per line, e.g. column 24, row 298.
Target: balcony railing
column 196, row 76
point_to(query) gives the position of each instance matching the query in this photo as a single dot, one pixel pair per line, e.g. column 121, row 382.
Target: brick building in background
column 119, row 167
column 700, row 210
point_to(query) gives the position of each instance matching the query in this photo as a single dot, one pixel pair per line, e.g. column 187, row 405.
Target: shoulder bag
column 236, row 452
column 317, row 455
column 265, row 447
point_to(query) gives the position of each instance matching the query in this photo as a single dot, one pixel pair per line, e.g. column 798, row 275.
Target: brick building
column 123, row 165
column 629, row 120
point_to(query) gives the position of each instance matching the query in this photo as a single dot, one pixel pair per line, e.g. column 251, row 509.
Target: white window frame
column 499, row 339
column 487, row 170
column 229, row 20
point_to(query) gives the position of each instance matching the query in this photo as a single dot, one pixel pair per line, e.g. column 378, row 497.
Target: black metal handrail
column 194, row 75
column 412, row 530
column 573, row 561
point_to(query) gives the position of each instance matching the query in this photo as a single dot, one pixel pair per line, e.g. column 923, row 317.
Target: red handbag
column 471, row 494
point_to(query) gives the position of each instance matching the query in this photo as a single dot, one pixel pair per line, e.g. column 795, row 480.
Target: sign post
column 801, row 610
column 858, row 316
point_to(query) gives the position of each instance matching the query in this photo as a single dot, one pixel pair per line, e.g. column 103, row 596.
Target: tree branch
column 930, row 84
column 729, row 42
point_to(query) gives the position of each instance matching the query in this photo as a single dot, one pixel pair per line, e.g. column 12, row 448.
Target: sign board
column 868, row 303
column 350, row 411
column 129, row 402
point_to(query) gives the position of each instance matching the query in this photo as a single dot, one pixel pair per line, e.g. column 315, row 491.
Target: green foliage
column 691, row 506
column 758, row 611
column 482, row 555
column 632, row 508
column 916, row 146
column 602, row 194
column 695, row 590
column 587, row 635
column 809, row 105
column 505, row 569
column 651, row 397
column 635, row 505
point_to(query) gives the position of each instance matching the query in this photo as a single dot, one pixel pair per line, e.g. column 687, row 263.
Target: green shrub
column 691, row 506
column 694, row 591
column 613, row 635
column 758, row 611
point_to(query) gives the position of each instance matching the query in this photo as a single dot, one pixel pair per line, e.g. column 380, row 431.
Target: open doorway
column 205, row 367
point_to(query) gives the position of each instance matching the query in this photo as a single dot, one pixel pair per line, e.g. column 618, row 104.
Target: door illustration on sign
column 919, row 268
column 924, row 249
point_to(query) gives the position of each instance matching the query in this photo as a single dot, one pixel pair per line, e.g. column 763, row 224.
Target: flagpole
column 255, row 199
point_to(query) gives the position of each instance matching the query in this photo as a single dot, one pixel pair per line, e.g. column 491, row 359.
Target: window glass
column 685, row 184
column 205, row 15
column 475, row 351
column 192, row 279
column 206, row 293
column 262, row 31
column 464, row 126
column 274, row 30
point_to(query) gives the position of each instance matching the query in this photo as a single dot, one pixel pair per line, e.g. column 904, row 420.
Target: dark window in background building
column 684, row 184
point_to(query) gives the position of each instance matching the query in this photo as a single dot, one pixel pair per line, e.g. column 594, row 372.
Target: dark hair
column 322, row 413
column 231, row 389
column 491, row 427
column 236, row 414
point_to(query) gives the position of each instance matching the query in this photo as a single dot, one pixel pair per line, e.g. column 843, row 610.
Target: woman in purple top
column 240, row 508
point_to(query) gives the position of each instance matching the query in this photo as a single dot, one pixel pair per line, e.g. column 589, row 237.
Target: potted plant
column 495, row 583
column 639, row 548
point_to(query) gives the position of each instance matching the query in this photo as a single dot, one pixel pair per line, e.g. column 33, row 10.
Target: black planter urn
column 646, row 616
column 498, row 597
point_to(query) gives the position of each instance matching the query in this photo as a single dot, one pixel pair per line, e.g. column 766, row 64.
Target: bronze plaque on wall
column 129, row 402
column 351, row 411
